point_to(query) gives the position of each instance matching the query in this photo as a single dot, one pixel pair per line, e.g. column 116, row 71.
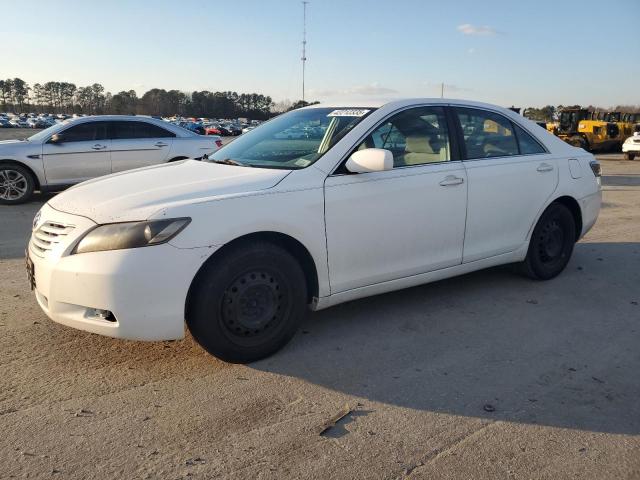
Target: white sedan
column 87, row 147
column 631, row 147
column 392, row 195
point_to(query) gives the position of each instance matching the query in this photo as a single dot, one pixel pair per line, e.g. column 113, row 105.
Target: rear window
column 127, row 130
column 528, row 144
column 486, row 134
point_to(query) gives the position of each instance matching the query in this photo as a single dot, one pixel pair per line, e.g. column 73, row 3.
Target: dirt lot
column 485, row 376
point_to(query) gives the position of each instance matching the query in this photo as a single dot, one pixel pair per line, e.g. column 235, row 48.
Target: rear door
column 138, row 144
column 510, row 177
column 82, row 153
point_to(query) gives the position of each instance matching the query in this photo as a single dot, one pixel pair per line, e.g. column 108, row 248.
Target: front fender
column 298, row 214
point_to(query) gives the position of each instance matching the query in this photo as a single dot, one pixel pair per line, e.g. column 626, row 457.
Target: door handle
column 160, row 144
column 545, row 167
column 451, row 180
column 97, row 146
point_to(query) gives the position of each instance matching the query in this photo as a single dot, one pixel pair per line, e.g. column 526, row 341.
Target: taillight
column 219, row 143
column 596, row 168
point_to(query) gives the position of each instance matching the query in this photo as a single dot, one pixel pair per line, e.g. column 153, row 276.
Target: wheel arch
column 36, row 180
column 289, row 243
column 574, row 207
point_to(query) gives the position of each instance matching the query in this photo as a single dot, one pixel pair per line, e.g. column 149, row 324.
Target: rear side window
column 528, row 145
column 486, row 134
column 86, row 132
column 128, row 130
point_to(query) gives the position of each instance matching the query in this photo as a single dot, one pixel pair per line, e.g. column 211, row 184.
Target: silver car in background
column 83, row 148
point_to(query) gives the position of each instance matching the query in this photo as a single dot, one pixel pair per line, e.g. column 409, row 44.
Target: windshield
column 293, row 140
column 43, row 134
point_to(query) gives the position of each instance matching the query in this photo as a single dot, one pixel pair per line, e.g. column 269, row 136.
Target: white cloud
column 448, row 87
column 468, row 29
column 371, row 89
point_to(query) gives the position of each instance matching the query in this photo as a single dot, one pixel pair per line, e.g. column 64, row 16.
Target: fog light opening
column 103, row 315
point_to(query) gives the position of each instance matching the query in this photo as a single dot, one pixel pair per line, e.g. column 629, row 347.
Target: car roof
column 179, row 131
column 400, row 102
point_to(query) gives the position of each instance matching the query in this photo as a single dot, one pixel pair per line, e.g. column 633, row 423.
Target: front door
column 82, row 152
column 382, row 226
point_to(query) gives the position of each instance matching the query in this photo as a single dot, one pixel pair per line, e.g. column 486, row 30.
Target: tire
column 248, row 304
column 16, row 184
column 629, row 156
column 551, row 244
column 580, row 142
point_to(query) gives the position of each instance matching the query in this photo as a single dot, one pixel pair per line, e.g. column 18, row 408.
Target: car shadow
column 491, row 344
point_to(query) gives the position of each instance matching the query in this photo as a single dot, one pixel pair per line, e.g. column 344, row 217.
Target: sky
column 517, row 52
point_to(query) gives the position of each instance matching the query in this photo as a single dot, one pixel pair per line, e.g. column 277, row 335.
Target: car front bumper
column 145, row 289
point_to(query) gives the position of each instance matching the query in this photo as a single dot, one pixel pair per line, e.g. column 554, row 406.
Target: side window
column 148, row 130
column 124, row 130
column 415, row 137
column 86, row 132
column 486, row 134
column 528, row 145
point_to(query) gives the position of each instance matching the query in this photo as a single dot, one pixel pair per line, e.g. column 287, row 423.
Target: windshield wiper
column 229, row 161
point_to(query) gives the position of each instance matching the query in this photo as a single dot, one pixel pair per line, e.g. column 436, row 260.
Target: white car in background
column 391, row 196
column 83, row 148
column 631, row 147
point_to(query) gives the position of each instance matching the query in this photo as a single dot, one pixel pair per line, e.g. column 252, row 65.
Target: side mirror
column 370, row 160
column 56, row 138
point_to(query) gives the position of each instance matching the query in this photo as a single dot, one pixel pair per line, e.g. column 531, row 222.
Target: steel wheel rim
column 13, row 184
column 254, row 306
column 551, row 242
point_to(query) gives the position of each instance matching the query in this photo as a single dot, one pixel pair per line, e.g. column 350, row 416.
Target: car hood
column 138, row 194
column 7, row 146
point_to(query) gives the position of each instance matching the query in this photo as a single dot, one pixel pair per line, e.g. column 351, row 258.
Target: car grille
column 48, row 235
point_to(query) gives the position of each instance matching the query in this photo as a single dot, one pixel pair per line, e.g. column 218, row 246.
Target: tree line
column 18, row 96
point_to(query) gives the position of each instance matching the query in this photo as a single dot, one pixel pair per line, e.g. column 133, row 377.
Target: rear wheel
column 248, row 304
column 16, row 184
column 629, row 155
column 551, row 243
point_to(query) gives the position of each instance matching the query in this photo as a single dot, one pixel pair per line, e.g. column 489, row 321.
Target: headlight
column 116, row 236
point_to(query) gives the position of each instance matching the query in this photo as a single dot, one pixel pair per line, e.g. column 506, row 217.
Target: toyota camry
column 238, row 247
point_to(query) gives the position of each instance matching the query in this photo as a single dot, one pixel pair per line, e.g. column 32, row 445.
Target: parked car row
column 32, row 120
column 201, row 126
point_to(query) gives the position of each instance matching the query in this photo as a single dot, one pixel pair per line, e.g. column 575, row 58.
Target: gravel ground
column 484, row 376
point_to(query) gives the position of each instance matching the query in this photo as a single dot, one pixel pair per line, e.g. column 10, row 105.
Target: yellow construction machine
column 581, row 128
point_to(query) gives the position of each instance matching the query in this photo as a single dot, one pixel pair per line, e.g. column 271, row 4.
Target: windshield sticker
column 301, row 162
column 349, row 113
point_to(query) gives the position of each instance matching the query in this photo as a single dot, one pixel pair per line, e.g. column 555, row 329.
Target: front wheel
column 551, row 243
column 248, row 304
column 580, row 142
column 629, row 155
column 16, row 184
